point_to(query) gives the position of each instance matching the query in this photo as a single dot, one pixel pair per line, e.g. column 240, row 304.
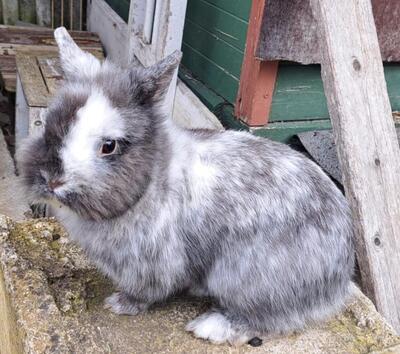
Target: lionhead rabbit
column 246, row 221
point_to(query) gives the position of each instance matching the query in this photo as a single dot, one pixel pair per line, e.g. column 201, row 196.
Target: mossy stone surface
column 56, row 297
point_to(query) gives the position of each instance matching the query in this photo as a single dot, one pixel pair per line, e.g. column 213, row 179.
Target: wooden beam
column 257, row 79
column 367, row 146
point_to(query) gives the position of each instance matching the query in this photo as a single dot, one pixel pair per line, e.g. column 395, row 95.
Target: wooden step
column 13, row 38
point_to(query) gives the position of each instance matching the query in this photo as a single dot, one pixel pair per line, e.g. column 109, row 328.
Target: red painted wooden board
column 257, row 79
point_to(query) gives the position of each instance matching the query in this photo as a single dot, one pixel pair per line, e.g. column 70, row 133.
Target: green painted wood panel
column 213, row 43
column 238, row 8
column 392, row 76
column 213, row 76
column 222, row 25
column 217, row 51
column 215, row 103
column 285, row 131
column 205, row 94
column 279, row 131
column 299, row 94
column 121, row 7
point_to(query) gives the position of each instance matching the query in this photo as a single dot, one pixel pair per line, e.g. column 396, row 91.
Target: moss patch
column 45, row 244
column 365, row 333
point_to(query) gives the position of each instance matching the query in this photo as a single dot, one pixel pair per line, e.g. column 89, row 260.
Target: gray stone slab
column 321, row 146
column 12, row 201
column 51, row 302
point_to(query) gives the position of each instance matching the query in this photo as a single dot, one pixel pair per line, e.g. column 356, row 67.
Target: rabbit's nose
column 55, row 183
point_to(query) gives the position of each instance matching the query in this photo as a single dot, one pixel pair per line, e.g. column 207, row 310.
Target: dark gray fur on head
column 245, row 220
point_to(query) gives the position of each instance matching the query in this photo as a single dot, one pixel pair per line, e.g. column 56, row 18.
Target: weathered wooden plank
column 43, row 12
column 44, row 36
column 10, row 11
column 8, row 67
column 35, row 40
column 257, row 80
column 367, row 144
column 37, row 117
column 50, row 66
column 27, row 11
column 34, row 88
column 51, row 70
column 289, row 31
column 112, row 30
column 21, row 114
column 10, row 50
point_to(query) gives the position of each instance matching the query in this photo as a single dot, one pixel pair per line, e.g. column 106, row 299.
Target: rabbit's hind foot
column 217, row 328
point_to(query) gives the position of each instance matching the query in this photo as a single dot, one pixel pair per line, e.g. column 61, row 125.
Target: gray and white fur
column 247, row 221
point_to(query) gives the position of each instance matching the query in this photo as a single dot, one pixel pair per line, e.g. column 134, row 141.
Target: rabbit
column 248, row 222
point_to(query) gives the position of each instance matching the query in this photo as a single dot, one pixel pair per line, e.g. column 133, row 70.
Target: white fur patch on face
column 96, row 120
column 215, row 327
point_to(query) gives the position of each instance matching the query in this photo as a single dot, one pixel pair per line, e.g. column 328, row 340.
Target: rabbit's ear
column 153, row 82
column 75, row 63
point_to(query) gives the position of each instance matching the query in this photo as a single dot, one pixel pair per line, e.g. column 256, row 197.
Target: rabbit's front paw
column 123, row 304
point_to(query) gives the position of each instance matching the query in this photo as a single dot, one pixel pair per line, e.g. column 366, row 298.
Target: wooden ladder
column 360, row 112
column 367, row 146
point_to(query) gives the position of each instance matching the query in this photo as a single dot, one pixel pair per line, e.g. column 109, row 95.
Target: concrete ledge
column 51, row 302
column 12, row 202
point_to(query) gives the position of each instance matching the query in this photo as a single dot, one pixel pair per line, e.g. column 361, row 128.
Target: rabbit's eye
column 109, row 146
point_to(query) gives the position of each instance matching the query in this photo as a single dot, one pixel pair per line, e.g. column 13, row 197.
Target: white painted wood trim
column 112, row 30
column 167, row 33
column 189, row 112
